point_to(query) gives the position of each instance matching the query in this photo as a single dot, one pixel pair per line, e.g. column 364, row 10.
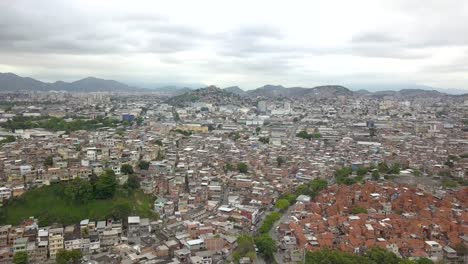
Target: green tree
column 395, row 169
column 382, row 256
column 68, row 256
column 424, row 261
column 303, row 134
column 242, row 167
column 361, row 171
column 264, row 140
column 245, row 248
column 257, row 130
column 359, row 210
column 121, row 210
column 143, row 165
column 375, row 175
column 282, row 204
column 79, row 191
column 228, row 167
column 383, row 167
column 280, row 160
column 133, row 183
column 269, row 222
column 106, row 185
column 139, row 121
column 20, row 258
column 49, row 161
column 266, row 246
column 126, row 169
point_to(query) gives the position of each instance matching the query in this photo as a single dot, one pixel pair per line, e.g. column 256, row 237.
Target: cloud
column 233, row 43
column 374, row 37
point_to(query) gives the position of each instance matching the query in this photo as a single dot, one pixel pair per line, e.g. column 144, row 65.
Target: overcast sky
column 244, row 43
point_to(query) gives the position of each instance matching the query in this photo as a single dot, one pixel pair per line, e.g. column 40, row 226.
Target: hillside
column 235, row 90
column 49, row 206
column 300, row 92
column 210, row 94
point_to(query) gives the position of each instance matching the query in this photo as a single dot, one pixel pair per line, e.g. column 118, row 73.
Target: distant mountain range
column 10, row 82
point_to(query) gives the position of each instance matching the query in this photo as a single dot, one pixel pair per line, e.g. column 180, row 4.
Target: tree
column 126, row 169
column 228, row 167
column 280, row 161
column 139, row 121
column 242, row 167
column 395, row 169
column 264, row 140
column 68, row 256
column 49, row 161
column 257, row 130
column 266, row 246
column 79, row 191
column 132, row 182
column 282, row 204
column 20, row 258
column 424, row 261
column 359, row 210
column 375, row 175
column 318, row 185
column 121, row 210
column 106, row 185
column 245, row 248
column 143, row 165
column 361, row 171
column 383, row 167
column 382, row 256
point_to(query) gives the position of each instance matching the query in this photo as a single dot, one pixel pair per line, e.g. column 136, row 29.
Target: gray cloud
column 71, row 38
column 374, row 37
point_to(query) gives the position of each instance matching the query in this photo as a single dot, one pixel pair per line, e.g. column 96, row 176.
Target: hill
column 300, row 92
column 210, row 94
column 49, row 206
column 10, row 82
column 234, row 90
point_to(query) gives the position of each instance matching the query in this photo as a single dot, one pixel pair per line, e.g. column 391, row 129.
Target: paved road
column 279, row 254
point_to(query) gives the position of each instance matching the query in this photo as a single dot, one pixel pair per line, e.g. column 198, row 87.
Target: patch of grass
column 49, row 206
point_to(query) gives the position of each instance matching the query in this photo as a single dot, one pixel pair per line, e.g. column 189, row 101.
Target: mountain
column 10, row 82
column 235, row 90
column 409, row 93
column 300, row 92
column 211, row 94
column 13, row 82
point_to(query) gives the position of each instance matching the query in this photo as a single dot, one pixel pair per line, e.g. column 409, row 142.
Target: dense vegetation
column 58, row 124
column 342, row 175
column 373, row 256
column 69, row 256
column 245, row 248
column 69, row 203
column 7, row 139
column 20, row 258
column 303, row 134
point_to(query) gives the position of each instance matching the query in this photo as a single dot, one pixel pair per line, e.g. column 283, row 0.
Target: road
column 279, row 254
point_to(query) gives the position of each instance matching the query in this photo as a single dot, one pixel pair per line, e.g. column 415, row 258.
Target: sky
column 243, row 43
